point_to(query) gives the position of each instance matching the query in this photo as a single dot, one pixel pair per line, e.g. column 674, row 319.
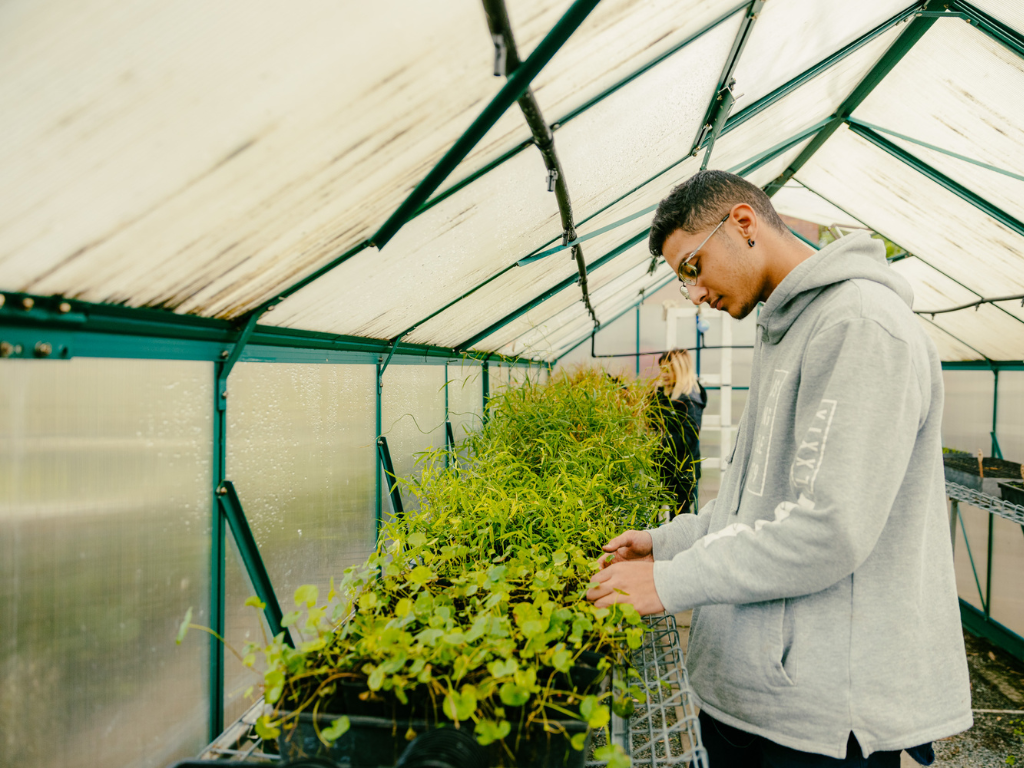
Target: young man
column 826, row 630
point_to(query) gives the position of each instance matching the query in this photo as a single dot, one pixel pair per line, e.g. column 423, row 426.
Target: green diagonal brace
column 914, row 32
column 235, row 515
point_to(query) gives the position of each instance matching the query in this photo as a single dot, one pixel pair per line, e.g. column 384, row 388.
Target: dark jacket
column 680, row 421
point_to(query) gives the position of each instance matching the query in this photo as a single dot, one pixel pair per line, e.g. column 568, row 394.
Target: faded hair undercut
column 702, row 200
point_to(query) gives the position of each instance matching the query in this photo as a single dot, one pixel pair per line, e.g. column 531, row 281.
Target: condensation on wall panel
column 465, row 397
column 242, row 624
column 950, row 91
column 105, row 516
column 1007, row 573
column 433, row 260
column 616, row 40
column 791, row 36
column 302, row 456
column 1010, row 423
column 256, row 152
column 917, row 214
column 412, row 419
column 967, row 411
column 975, row 547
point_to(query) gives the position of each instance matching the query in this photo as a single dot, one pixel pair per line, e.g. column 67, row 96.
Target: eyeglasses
column 688, row 272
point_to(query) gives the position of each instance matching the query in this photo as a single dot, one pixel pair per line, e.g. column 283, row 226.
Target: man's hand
column 631, row 545
column 628, row 582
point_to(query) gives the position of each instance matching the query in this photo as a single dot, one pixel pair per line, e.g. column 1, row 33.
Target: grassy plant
column 472, row 609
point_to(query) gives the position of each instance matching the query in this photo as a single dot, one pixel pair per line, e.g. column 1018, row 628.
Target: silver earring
column 750, row 242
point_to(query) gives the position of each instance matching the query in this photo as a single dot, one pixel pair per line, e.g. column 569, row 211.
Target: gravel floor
column 996, row 739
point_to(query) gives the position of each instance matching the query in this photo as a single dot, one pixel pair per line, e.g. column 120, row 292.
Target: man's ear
column 745, row 219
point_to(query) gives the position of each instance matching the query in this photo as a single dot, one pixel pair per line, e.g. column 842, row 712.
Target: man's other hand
column 631, row 545
column 628, row 582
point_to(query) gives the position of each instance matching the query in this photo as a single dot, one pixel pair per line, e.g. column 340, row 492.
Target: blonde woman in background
column 679, row 405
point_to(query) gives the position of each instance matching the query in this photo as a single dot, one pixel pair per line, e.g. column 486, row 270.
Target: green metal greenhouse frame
column 55, row 328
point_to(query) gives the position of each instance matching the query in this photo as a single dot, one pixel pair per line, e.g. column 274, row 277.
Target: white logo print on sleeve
column 812, row 448
column 763, row 436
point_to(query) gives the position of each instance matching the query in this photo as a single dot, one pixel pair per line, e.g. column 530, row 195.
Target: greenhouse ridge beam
column 543, row 138
column 992, row 27
column 914, row 32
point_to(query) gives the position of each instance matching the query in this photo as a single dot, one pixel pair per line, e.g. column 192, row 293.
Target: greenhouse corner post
column 638, row 340
column 217, row 552
column 377, row 504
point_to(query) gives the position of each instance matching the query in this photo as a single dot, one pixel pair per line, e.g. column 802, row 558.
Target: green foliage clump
column 472, row 609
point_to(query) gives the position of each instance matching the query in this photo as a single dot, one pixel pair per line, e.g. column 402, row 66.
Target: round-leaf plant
column 472, row 609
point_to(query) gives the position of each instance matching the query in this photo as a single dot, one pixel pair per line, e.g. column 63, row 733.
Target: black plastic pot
column 374, row 742
column 1012, row 491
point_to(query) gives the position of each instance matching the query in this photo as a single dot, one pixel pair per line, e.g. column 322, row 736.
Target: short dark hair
column 702, row 200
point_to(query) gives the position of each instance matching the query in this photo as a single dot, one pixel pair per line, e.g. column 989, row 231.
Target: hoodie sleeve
column 857, row 416
column 672, row 538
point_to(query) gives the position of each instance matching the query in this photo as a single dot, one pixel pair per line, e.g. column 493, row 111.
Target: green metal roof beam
column 513, row 89
column 914, row 32
column 628, row 309
column 497, row 326
column 101, row 330
column 926, row 145
column 723, row 99
column 992, row 27
column 939, row 178
column 989, row 365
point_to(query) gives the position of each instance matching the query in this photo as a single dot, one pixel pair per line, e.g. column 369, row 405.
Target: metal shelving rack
column 663, row 732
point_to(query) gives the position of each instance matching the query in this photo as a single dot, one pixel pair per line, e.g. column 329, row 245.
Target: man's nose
column 696, row 293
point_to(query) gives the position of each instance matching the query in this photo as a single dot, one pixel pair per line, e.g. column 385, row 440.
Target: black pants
column 730, row 747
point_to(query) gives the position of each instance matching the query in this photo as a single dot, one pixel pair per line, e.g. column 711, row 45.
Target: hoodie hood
column 856, row 256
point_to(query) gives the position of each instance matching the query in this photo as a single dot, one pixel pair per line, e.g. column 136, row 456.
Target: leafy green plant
column 472, row 610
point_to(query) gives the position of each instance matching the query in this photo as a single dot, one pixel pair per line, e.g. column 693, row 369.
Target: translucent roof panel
column 951, row 91
column 434, row 259
column 918, row 214
column 617, row 39
column 202, row 157
column 645, row 126
column 1010, row 12
column 994, row 333
column 800, row 203
column 932, row 290
column 563, row 300
column 790, row 36
column 502, row 296
column 949, row 347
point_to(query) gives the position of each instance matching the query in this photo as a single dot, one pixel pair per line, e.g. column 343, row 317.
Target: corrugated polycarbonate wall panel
column 465, row 397
column 412, row 419
column 302, row 457
column 617, row 39
column 800, row 203
column 242, row 624
column 917, row 214
column 790, row 36
column 1010, row 422
column 201, row 158
column 970, row 577
column 105, row 494
column 950, row 91
column 1007, row 574
column 434, row 259
column 967, row 411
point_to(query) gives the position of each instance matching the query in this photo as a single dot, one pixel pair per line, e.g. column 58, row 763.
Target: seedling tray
column 962, row 469
column 1012, row 492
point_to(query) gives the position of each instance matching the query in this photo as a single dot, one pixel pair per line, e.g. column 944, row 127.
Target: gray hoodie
column 822, row 575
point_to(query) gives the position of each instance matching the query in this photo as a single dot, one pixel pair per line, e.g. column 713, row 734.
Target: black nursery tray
column 1012, row 492
column 376, row 742
column 962, row 469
